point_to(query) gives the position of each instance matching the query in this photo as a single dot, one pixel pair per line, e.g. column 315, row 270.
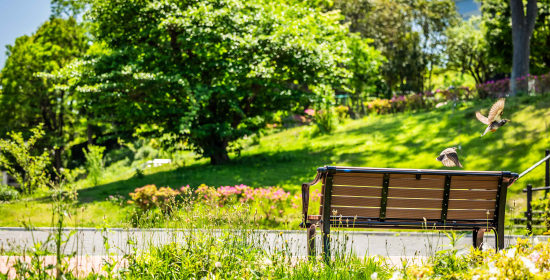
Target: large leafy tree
column 33, row 99
column 210, row 72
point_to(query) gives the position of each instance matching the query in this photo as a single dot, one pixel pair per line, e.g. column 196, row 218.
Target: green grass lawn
column 290, row 157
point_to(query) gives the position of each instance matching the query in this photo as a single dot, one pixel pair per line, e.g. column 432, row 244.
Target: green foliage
column 94, row 163
column 28, row 91
column 468, row 51
column 208, row 74
column 18, row 159
column 412, row 44
column 497, row 18
column 8, row 193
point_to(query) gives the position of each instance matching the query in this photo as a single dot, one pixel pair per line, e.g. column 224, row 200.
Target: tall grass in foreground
column 190, row 240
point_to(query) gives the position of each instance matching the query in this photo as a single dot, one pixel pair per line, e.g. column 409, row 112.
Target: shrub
column 28, row 170
column 342, row 112
column 8, row 193
column 149, row 197
column 324, row 119
column 94, row 162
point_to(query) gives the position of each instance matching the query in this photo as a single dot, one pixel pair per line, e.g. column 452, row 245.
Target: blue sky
column 20, row 17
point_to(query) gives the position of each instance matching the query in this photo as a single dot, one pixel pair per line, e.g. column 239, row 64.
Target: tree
column 209, row 73
column 34, row 99
column 497, row 19
column 467, row 50
column 522, row 29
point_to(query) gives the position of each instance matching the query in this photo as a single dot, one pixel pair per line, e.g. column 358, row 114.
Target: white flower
column 492, row 278
column 268, row 262
column 218, row 264
column 511, row 253
column 374, row 276
column 395, row 276
column 476, row 277
column 492, row 268
column 529, row 265
column 485, row 247
column 536, row 241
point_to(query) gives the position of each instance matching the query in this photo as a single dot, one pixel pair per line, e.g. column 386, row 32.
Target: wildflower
column 536, row 241
column 395, row 276
column 268, row 262
column 535, row 256
column 529, row 265
column 492, row 268
column 511, row 253
column 218, row 264
column 374, row 276
column 476, row 277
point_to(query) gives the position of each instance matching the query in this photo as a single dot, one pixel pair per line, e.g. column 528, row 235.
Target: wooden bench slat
column 413, row 177
column 356, row 191
column 469, row 194
column 470, row 215
column 357, row 181
column 413, row 183
column 414, row 203
column 472, row 204
column 356, row 201
column 419, row 214
column 473, row 185
column 356, row 211
column 476, row 178
column 415, row 193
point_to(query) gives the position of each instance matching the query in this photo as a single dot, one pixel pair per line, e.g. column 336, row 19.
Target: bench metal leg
column 478, row 237
column 311, row 241
column 326, row 245
column 499, row 237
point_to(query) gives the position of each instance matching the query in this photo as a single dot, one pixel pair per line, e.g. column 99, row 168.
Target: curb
column 373, row 233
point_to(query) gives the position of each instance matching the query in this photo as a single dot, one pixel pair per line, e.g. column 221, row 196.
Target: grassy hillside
column 289, row 158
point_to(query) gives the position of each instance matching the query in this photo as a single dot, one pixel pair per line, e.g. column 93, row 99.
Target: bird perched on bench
column 449, row 157
column 493, row 121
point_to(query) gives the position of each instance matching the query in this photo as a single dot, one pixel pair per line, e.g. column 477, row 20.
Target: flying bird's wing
column 452, row 157
column 482, row 118
column 496, row 111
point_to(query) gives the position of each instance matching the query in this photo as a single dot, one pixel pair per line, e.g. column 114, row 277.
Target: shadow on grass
column 410, row 140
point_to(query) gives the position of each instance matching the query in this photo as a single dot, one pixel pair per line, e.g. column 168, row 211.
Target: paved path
column 90, row 241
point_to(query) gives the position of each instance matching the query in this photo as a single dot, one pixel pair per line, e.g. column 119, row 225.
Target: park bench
column 391, row 198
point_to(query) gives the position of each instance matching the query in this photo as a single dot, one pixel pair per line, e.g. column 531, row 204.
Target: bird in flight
column 449, row 157
column 493, row 121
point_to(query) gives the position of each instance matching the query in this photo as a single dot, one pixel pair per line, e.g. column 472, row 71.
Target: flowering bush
column 149, row 197
column 342, row 112
column 533, row 84
column 116, row 199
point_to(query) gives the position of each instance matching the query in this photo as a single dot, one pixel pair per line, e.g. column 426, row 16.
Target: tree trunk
column 90, row 134
column 219, row 153
column 522, row 29
column 57, row 159
column 219, row 158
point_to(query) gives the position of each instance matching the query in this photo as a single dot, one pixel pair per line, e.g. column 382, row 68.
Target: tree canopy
column 209, row 73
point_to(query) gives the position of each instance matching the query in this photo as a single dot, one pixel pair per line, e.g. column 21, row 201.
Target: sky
column 20, row 17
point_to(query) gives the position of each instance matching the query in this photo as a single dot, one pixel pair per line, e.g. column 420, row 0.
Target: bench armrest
column 305, row 194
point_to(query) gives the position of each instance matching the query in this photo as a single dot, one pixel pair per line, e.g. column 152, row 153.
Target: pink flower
column 310, row 112
column 535, row 256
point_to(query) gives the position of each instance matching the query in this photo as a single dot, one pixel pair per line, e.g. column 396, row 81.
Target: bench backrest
column 405, row 194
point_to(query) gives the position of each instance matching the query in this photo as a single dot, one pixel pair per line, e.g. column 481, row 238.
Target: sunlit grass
column 290, row 157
